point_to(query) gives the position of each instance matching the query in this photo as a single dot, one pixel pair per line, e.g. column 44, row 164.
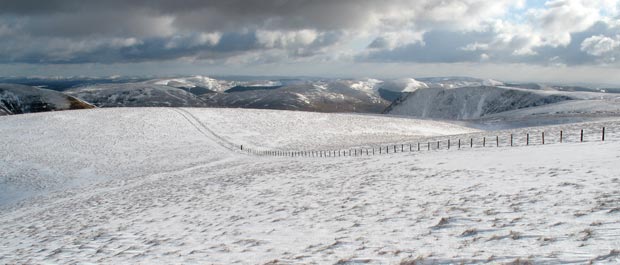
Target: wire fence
column 453, row 142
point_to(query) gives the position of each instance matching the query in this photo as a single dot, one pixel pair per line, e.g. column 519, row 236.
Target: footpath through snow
column 149, row 186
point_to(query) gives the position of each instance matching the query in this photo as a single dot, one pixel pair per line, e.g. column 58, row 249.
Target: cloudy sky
column 516, row 40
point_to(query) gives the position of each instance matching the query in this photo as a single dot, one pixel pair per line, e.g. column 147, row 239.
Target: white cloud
column 475, row 47
column 601, row 45
column 284, row 39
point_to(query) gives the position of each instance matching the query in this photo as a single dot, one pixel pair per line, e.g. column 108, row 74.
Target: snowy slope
column 135, row 95
column 514, row 107
column 195, row 81
column 322, row 96
column 306, row 130
column 469, row 102
column 17, row 99
column 155, row 185
column 403, row 85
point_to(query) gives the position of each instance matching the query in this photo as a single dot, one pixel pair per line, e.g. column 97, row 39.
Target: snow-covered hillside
column 17, row 99
column 135, row 95
column 322, row 96
column 194, row 82
column 154, row 185
column 499, row 103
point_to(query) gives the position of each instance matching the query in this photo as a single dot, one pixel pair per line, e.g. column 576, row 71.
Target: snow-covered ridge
column 135, row 95
column 467, row 103
column 196, row 81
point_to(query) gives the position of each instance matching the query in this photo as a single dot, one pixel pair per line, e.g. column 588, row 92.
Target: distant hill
column 18, row 99
column 136, row 95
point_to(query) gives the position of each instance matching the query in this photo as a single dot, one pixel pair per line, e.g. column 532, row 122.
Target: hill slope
column 155, row 185
column 484, row 104
column 18, row 99
column 135, row 95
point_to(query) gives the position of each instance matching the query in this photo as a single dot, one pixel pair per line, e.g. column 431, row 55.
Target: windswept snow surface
column 161, row 186
column 285, row 130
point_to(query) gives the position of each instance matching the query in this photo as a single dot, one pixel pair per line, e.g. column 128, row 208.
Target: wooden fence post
column 429, row 146
column 581, row 135
column 484, row 141
column 448, row 144
column 437, row 145
column 471, row 142
column 459, row 143
column 603, row 137
column 511, row 139
column 418, row 146
column 543, row 137
column 561, row 136
column 497, row 140
column 527, row 139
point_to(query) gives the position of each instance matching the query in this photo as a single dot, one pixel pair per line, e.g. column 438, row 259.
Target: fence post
column 561, row 136
column 603, row 137
column 394, row 148
column 497, row 140
column 409, row 147
column 581, row 135
column 448, row 144
column 402, row 148
column 459, row 143
column 418, row 146
column 511, row 139
column 484, row 141
column 527, row 139
column 373, row 151
column 471, row 142
column 543, row 137
column 429, row 146
column 437, row 145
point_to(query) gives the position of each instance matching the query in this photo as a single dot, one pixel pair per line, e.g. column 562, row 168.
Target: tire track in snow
column 204, row 130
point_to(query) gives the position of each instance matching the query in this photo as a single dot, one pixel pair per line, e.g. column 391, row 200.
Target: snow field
column 178, row 196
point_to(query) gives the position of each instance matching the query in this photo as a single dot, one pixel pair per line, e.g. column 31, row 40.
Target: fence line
column 380, row 150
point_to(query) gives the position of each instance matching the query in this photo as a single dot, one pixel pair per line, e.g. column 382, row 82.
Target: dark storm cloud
column 215, row 15
column 74, row 31
column 70, row 31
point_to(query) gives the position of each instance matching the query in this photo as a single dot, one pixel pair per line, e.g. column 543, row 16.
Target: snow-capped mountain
column 17, row 99
column 136, row 95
